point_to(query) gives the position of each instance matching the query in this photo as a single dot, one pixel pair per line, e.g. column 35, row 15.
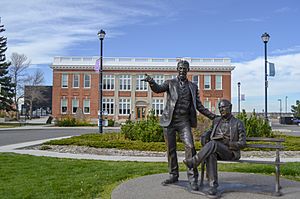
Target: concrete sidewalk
column 17, row 148
column 231, row 185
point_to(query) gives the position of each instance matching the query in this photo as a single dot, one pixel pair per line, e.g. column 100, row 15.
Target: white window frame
column 125, row 82
column 88, row 101
column 124, row 106
column 108, row 82
column 217, row 108
column 78, row 80
column 85, row 81
column 219, row 83
column 75, row 100
column 159, row 79
column 207, row 82
column 207, row 104
column 108, row 105
column 141, row 85
column 196, row 80
column 158, row 106
column 64, row 80
column 61, row 106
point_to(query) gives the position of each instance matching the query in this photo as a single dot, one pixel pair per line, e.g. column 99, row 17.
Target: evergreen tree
column 296, row 109
column 7, row 92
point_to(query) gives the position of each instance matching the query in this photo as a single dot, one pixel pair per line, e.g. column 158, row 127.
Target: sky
column 43, row 29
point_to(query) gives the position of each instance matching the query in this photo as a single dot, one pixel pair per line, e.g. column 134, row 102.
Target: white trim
column 154, row 64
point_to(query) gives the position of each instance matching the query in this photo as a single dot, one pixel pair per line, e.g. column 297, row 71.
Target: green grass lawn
column 25, row 176
column 117, row 140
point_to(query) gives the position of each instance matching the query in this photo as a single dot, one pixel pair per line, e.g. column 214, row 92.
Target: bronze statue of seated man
column 222, row 142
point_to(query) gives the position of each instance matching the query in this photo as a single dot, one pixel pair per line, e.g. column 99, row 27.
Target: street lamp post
column 280, row 107
column 286, row 97
column 101, row 35
column 239, row 97
column 265, row 37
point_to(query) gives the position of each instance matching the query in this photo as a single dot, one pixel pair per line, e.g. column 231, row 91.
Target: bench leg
column 277, row 183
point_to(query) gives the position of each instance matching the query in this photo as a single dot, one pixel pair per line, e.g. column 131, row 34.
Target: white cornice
column 125, row 63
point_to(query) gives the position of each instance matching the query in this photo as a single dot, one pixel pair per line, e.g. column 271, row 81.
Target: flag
column 271, row 69
column 243, row 97
column 97, row 65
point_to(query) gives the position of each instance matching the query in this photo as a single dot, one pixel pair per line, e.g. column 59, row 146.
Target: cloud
column 283, row 10
column 252, row 19
column 42, row 29
column 294, row 49
column 251, row 76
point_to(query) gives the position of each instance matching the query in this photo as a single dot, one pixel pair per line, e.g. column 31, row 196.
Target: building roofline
column 130, row 63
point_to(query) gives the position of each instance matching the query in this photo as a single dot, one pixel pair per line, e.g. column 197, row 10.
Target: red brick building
column 76, row 84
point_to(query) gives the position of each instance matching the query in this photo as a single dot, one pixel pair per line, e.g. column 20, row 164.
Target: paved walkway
column 232, row 186
column 17, row 148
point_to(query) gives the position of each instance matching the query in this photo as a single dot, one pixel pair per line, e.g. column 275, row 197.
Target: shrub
column 255, row 126
column 111, row 122
column 71, row 121
column 203, row 124
column 147, row 130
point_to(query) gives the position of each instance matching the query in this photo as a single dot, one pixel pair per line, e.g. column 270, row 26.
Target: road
column 14, row 136
column 292, row 130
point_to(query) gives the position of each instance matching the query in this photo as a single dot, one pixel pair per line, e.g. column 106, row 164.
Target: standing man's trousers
column 185, row 133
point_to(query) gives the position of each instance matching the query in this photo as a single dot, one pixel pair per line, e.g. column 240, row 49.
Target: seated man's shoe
column 171, row 180
column 194, row 186
column 189, row 163
column 212, row 191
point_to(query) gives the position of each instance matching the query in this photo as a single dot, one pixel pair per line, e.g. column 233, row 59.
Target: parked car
column 296, row 120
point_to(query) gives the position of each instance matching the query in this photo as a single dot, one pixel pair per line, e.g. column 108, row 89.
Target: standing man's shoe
column 194, row 186
column 212, row 191
column 171, row 180
column 189, row 163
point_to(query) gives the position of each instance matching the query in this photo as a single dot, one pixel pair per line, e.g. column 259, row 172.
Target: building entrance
column 140, row 112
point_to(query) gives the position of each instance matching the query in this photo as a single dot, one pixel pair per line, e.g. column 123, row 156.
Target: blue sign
column 271, row 69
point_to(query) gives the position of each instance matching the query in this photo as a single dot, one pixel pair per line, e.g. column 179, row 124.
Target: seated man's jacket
column 237, row 135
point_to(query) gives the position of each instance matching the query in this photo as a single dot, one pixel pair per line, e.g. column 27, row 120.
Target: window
column 75, row 104
column 108, row 82
column 158, row 106
column 207, row 85
column 87, row 81
column 173, row 76
column 86, row 106
column 195, row 80
column 217, row 107
column 207, row 104
column 124, row 106
column 218, row 82
column 125, row 82
column 159, row 79
column 76, row 81
column 108, row 105
column 141, row 85
column 64, row 80
column 64, row 106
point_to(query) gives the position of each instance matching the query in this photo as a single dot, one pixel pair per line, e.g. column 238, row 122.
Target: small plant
column 255, row 126
column 71, row 121
column 147, row 130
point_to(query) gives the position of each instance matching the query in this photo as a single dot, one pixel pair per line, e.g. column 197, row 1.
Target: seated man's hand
column 232, row 145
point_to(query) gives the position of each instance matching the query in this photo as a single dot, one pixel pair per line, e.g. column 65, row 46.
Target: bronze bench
column 269, row 143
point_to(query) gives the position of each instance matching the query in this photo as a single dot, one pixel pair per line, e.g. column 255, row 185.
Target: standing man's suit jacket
column 172, row 88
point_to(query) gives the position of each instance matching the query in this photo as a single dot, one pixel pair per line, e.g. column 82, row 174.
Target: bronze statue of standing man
column 180, row 116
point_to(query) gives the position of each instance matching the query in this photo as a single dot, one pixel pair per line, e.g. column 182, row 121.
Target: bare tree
column 32, row 89
column 17, row 71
